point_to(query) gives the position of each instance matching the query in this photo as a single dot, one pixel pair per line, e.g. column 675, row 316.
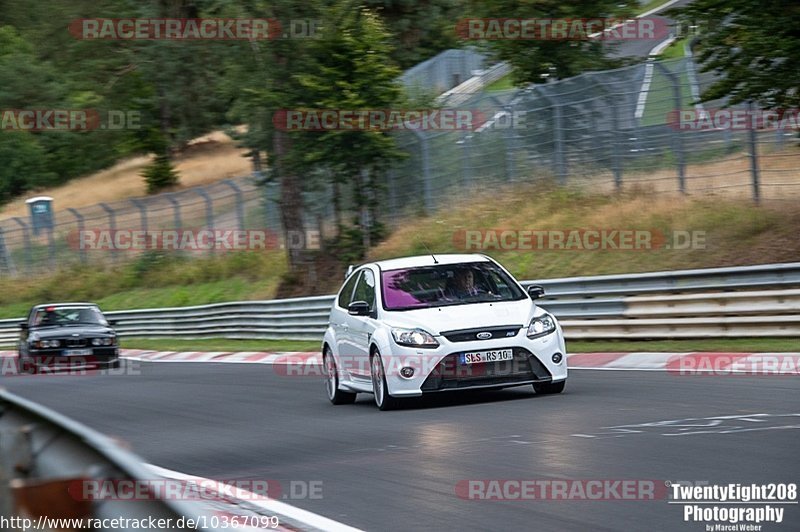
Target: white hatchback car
column 405, row 327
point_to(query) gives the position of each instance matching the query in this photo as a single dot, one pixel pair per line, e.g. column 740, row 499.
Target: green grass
column 675, row 50
column 733, row 345
column 151, row 280
column 502, row 84
column 661, row 97
column 652, row 4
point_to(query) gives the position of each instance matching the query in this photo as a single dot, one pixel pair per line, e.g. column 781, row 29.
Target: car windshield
column 62, row 316
column 450, row 284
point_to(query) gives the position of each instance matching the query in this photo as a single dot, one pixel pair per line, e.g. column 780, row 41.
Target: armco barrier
column 44, row 456
column 759, row 300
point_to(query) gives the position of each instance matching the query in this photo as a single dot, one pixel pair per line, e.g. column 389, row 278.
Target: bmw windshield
column 447, row 284
column 66, row 316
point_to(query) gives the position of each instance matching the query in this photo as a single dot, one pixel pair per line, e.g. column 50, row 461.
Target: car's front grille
column 76, row 342
column 452, row 374
column 482, row 333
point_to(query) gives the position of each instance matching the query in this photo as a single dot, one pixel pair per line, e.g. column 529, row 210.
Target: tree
column 351, row 69
column 753, row 45
column 418, row 30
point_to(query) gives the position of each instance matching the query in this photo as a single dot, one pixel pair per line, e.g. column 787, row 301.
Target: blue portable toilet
column 41, row 209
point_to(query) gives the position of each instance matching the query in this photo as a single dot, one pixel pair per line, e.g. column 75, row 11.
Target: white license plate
column 77, row 352
column 480, row 357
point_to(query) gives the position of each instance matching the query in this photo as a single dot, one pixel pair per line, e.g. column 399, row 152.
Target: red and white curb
column 684, row 363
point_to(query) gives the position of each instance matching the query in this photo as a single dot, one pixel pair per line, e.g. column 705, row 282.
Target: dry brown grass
column 207, row 159
column 736, row 231
column 728, row 177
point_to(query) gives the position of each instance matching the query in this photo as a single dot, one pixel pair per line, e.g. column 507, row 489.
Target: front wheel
column 383, row 400
column 549, row 387
column 335, row 395
column 26, row 366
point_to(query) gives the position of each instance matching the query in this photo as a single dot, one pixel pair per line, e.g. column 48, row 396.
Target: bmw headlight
column 97, row 341
column 541, row 326
column 414, row 338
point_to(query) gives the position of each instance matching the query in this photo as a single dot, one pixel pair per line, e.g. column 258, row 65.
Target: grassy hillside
column 735, row 233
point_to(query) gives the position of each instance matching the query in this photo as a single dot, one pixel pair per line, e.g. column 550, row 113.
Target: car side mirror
column 358, row 308
column 535, row 291
column 24, row 325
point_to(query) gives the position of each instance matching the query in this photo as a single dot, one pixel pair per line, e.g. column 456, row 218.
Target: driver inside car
column 462, row 285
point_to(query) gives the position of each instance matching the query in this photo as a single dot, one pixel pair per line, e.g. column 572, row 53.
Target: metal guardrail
column 53, row 468
column 42, row 453
column 759, row 300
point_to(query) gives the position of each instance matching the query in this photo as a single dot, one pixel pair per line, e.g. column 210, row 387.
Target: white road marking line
column 269, row 505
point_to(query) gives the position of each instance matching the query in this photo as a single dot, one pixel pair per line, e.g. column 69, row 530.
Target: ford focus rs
column 407, row 327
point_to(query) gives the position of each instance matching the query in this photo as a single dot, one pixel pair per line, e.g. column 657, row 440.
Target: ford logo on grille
column 483, row 335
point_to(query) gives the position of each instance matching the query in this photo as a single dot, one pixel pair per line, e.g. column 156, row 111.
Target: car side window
column 365, row 289
column 347, row 291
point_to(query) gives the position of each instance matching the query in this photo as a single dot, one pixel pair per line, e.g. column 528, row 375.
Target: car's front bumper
column 99, row 357
column 441, row 369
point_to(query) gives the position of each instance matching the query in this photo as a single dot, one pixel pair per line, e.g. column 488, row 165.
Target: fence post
column 558, row 145
column 81, row 228
column 754, row 156
column 676, row 137
column 26, row 237
column 176, row 208
column 466, row 159
column 112, row 225
column 616, row 156
column 209, row 206
column 239, row 202
column 139, row 204
column 392, row 192
column 6, row 262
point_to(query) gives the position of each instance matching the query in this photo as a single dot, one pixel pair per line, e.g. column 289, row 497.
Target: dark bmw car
column 67, row 335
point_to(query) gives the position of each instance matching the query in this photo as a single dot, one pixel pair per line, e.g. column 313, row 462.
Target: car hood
column 71, row 330
column 469, row 316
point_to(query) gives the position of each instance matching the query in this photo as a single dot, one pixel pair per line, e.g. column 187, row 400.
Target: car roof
column 62, row 305
column 428, row 260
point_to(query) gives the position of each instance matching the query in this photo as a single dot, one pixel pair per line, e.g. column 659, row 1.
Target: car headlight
column 46, row 344
column 414, row 338
column 108, row 341
column 541, row 326
column 97, row 341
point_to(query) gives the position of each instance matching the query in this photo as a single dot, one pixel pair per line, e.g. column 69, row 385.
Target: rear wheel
column 383, row 400
column 549, row 387
column 335, row 395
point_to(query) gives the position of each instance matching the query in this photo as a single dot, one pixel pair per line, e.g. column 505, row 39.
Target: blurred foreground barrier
column 45, row 456
column 761, row 300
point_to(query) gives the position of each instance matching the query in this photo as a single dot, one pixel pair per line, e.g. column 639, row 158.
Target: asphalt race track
column 399, row 470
